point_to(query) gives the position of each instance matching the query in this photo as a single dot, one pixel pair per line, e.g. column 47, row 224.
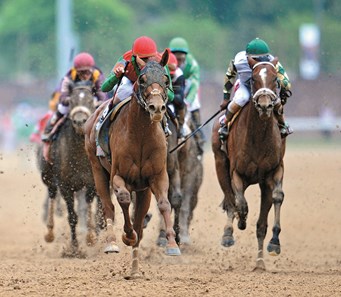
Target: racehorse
column 68, row 169
column 255, row 152
column 138, row 158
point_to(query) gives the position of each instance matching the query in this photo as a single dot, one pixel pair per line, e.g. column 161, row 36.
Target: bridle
column 141, row 98
column 264, row 91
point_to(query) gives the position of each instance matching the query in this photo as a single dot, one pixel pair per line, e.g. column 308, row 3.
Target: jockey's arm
column 229, row 81
column 112, row 78
column 284, row 83
column 194, row 79
column 65, row 90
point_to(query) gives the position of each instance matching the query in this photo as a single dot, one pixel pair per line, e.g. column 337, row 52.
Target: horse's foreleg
column 262, row 223
column 241, row 204
column 159, row 187
column 124, row 199
column 72, row 216
column 274, row 247
column 142, row 204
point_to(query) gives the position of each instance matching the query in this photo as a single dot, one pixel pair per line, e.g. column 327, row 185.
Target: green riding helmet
column 178, row 44
column 257, row 47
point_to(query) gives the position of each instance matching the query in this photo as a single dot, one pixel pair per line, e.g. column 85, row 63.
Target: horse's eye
column 166, row 80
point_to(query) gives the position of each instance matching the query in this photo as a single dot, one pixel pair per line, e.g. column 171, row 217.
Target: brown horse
column 255, row 152
column 138, row 159
column 69, row 172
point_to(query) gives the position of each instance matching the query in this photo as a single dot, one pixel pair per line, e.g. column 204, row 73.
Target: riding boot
column 230, row 112
column 199, row 136
column 181, row 119
column 284, row 127
column 47, row 136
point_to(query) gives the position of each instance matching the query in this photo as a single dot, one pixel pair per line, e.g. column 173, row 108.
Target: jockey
column 191, row 70
column 126, row 71
column 83, row 70
column 239, row 68
column 178, row 82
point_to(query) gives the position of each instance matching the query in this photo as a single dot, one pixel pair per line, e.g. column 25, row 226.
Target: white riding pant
column 63, row 109
column 125, row 89
column 241, row 94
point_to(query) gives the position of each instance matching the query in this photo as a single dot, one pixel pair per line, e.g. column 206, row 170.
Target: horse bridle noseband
column 264, row 91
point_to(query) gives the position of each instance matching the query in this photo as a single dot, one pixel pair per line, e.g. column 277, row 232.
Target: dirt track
column 310, row 263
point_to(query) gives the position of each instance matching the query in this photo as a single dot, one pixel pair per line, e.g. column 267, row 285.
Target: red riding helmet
column 144, row 47
column 83, row 61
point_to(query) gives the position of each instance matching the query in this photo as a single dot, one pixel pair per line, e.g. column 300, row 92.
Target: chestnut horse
column 138, row 151
column 255, row 152
column 69, row 171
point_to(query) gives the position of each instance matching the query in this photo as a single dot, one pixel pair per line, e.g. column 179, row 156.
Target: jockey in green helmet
column 239, row 73
column 191, row 71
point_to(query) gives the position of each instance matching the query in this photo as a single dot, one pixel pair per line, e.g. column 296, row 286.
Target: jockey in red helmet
column 125, row 68
column 84, row 69
column 126, row 71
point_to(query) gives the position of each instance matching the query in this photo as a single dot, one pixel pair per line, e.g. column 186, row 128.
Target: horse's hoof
column 130, row 241
column 227, row 241
column 260, row 265
column 274, row 249
column 133, row 276
column 185, row 239
column 173, row 251
column 162, row 242
column 49, row 237
column 112, row 247
column 242, row 224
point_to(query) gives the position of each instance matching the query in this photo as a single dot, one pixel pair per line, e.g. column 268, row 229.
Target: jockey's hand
column 223, row 104
column 119, row 71
column 284, row 95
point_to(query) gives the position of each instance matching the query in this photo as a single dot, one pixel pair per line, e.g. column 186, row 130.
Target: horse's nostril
column 152, row 107
column 163, row 108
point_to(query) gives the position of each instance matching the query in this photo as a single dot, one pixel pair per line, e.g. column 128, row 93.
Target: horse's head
column 152, row 85
column 81, row 106
column 264, row 83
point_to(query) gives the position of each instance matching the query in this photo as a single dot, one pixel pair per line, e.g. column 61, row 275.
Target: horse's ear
column 139, row 62
column 165, row 57
column 251, row 61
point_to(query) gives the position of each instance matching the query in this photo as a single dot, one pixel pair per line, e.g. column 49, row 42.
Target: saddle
column 102, row 127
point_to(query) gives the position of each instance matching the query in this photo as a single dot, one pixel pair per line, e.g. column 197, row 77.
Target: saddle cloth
column 102, row 127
